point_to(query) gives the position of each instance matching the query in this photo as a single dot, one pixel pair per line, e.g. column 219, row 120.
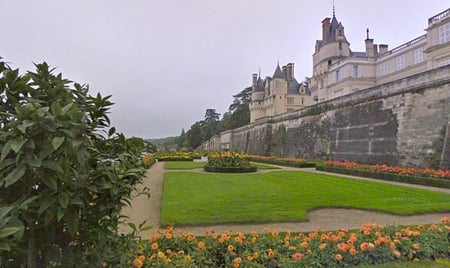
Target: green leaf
column 4, row 211
column 14, row 176
column 17, row 144
column 57, row 142
column 35, row 163
column 25, row 203
column 53, row 166
column 60, row 213
column 66, row 108
column 71, row 218
column 50, row 182
column 25, row 124
column 63, row 200
column 4, row 246
column 5, row 150
column 45, row 203
column 56, row 108
column 7, row 231
column 111, row 131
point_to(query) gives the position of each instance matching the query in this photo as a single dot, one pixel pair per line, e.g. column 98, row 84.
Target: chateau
column 377, row 106
column 338, row 71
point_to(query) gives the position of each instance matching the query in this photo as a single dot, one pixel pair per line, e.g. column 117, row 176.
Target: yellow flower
column 416, row 246
column 161, row 254
column 255, row 255
column 201, row 245
column 396, row 253
column 155, row 246
column 190, row 237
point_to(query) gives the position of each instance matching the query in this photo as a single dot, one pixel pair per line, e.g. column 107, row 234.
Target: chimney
column 370, row 48
column 290, row 71
column 255, row 77
column 375, row 49
column 325, row 29
column 383, row 48
column 283, row 69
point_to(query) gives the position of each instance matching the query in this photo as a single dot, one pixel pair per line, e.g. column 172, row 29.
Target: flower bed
column 429, row 177
column 148, row 160
column 173, row 156
column 228, row 162
column 282, row 161
column 371, row 244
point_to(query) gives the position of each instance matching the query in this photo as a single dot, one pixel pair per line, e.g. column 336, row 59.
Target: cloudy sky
column 166, row 62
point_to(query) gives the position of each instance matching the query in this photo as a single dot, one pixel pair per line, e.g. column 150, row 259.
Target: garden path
column 143, row 209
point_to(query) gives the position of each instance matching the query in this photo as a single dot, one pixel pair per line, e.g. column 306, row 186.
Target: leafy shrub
column 228, row 162
column 371, row 244
column 282, row 161
column 64, row 173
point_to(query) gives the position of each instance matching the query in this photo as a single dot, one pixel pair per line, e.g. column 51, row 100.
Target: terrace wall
column 404, row 122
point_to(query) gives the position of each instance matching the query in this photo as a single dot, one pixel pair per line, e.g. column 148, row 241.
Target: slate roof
column 278, row 73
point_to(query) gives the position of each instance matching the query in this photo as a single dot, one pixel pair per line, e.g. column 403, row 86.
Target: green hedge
column 230, row 169
column 442, row 183
column 174, row 158
column 283, row 163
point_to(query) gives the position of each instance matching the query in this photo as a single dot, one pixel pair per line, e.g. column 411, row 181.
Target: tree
column 194, row 136
column 64, row 173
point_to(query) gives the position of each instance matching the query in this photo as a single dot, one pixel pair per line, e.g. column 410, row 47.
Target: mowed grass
column 207, row 198
column 183, row 165
column 173, row 165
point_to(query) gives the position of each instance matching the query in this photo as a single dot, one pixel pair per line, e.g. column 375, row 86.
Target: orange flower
column 270, row 253
column 201, row 245
column 153, row 238
column 323, row 246
column 141, row 257
column 353, row 251
column 255, row 255
column 338, row 257
column 137, row 263
column 343, row 247
column 274, row 233
column 155, row 246
column 230, row 248
column 169, row 235
column 297, row 256
column 249, row 258
column 161, row 254
column 304, row 245
column 364, row 246
column 416, row 246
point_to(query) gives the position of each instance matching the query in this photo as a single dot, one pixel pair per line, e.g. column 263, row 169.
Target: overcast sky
column 166, row 62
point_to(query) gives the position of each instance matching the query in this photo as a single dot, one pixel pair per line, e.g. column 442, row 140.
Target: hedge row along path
column 329, row 219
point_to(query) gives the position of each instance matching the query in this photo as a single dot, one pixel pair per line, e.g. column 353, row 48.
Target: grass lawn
column 170, row 165
column 207, row 198
column 183, row 165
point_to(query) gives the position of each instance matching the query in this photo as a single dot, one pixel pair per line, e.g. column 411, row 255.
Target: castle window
column 384, row 68
column 340, row 45
column 444, row 33
column 290, row 100
column 418, row 55
column 400, row 62
column 355, row 71
column 444, row 63
column 338, row 75
column 303, row 101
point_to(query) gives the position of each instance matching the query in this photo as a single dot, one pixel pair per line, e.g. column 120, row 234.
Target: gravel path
column 148, row 210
